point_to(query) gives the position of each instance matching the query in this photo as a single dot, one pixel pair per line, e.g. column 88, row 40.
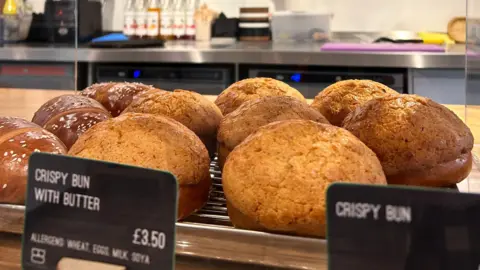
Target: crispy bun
column 155, row 142
column 337, row 100
column 189, row 108
column 238, row 93
column 253, row 114
column 276, row 179
column 418, row 141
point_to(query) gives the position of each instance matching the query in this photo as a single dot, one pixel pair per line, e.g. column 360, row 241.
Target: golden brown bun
column 115, row 96
column 276, row 179
column 418, row 141
column 155, row 142
column 18, row 140
column 189, row 108
column 339, row 99
column 69, row 116
column 236, row 94
column 253, row 114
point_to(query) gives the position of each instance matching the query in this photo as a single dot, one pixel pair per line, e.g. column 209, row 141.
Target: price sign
column 98, row 212
column 397, row 228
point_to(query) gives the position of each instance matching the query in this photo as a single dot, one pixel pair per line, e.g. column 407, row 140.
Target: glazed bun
column 155, row 142
column 339, row 99
column 69, row 116
column 418, row 141
column 115, row 96
column 276, row 179
column 18, row 140
column 253, row 114
column 232, row 97
column 189, row 108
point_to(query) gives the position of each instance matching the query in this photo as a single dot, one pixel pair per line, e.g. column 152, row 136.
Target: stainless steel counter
column 239, row 53
column 216, row 247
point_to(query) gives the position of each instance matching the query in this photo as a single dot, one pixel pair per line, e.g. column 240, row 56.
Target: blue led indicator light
column 136, row 74
column 296, row 77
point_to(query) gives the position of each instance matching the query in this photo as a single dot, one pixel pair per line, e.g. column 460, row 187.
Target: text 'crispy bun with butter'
column 337, row 100
column 19, row 138
column 236, row 94
column 155, row 142
column 418, row 141
column 276, row 179
column 69, row 116
column 115, row 96
column 189, row 108
column 253, row 114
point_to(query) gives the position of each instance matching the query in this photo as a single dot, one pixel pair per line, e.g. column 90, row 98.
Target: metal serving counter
column 239, row 53
column 211, row 244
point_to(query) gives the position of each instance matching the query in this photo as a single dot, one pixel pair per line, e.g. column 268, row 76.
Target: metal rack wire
column 215, row 210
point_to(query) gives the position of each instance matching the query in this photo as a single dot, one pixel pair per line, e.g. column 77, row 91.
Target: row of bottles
column 160, row 19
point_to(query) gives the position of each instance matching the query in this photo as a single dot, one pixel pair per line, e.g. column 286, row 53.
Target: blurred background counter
column 209, row 67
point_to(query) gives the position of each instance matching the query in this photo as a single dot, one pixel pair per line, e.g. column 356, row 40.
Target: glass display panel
column 276, row 100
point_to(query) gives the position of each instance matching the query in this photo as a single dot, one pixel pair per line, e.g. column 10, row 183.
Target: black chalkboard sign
column 400, row 228
column 98, row 211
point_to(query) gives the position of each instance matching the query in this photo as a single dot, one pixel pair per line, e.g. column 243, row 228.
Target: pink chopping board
column 382, row 47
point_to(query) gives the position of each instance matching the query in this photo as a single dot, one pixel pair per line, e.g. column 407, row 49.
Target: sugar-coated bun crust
column 236, row 94
column 115, row 96
column 19, row 138
column 155, row 142
column 253, row 114
column 418, row 141
column 189, row 108
column 337, row 100
column 276, row 179
column 69, row 116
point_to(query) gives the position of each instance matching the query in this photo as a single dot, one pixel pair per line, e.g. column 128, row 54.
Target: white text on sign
column 69, row 199
column 360, row 210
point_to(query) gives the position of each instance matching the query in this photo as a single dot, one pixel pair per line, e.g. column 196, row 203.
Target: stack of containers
column 254, row 24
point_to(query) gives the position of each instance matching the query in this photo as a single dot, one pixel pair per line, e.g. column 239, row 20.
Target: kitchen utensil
column 435, row 38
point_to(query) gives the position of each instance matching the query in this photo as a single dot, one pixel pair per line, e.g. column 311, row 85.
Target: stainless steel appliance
column 204, row 79
column 64, row 27
column 60, row 76
column 310, row 81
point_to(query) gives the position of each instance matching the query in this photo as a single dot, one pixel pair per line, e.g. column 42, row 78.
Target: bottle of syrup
column 179, row 19
column 191, row 7
column 153, row 20
column 129, row 24
column 167, row 23
column 141, row 19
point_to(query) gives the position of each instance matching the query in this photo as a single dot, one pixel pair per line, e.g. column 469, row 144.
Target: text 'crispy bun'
column 253, row 114
column 19, row 138
column 189, row 108
column 418, row 141
column 276, row 179
column 69, row 116
column 236, row 94
column 115, row 96
column 337, row 100
column 155, row 142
